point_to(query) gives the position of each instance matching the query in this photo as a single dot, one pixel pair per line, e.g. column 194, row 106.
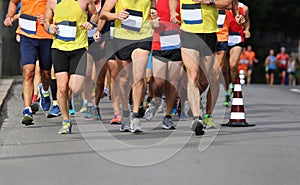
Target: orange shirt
column 222, row 34
column 33, row 8
column 250, row 55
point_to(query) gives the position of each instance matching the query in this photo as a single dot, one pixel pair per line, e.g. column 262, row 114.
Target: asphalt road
column 97, row 153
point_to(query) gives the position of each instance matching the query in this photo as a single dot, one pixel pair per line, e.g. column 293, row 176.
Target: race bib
column 283, row 62
column 221, row 18
column 134, row 21
column 91, row 33
column 111, row 30
column 169, row 40
column 28, row 23
column 234, row 38
column 191, row 13
column 66, row 31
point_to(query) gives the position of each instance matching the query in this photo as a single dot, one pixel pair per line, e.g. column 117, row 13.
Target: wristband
column 93, row 23
column 212, row 2
column 153, row 8
column 48, row 30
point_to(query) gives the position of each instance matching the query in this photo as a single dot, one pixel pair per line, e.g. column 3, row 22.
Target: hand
column 153, row 14
column 202, row 1
column 97, row 36
column 40, row 18
column 53, row 28
column 8, row 21
column 123, row 14
column 174, row 19
column 155, row 22
column 87, row 25
column 247, row 34
column 240, row 19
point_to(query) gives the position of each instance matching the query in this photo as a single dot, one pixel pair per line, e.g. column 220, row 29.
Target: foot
column 97, row 115
column 168, row 124
column 209, row 122
column 197, row 127
column 27, row 117
column 116, row 119
column 152, row 110
column 45, row 101
column 54, row 112
column 34, row 107
column 135, row 125
column 125, row 127
column 88, row 114
column 66, row 128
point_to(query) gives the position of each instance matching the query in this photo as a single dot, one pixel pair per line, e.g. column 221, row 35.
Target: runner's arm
column 221, row 4
column 49, row 25
column 106, row 14
column 247, row 23
column 173, row 13
column 12, row 10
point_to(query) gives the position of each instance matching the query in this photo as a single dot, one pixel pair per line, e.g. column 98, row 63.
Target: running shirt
column 197, row 18
column 70, row 36
column 223, row 25
column 28, row 24
column 166, row 36
column 137, row 26
column 236, row 31
column 282, row 60
column 250, row 56
column 272, row 62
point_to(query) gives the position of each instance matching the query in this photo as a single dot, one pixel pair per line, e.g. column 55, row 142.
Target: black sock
column 168, row 116
column 136, row 115
column 53, row 87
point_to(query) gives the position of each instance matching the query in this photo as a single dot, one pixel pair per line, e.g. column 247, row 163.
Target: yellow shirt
column 197, row 18
column 69, row 17
column 137, row 26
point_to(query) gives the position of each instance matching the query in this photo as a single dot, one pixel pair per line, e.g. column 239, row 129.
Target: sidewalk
column 5, row 86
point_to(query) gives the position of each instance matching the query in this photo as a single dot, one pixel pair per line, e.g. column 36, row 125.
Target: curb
column 5, row 86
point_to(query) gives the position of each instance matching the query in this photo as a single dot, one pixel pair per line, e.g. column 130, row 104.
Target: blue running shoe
column 88, row 112
column 27, row 117
column 54, row 112
column 71, row 112
column 45, row 101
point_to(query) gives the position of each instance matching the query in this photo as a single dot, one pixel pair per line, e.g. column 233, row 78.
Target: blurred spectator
column 270, row 66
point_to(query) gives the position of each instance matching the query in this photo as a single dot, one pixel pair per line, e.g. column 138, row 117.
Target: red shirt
column 163, row 11
column 234, row 27
column 282, row 60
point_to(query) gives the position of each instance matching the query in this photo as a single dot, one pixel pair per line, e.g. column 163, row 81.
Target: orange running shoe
column 116, row 119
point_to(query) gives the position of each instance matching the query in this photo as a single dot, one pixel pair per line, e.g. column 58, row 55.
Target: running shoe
column 183, row 117
column 197, row 126
column 209, row 122
column 152, row 110
column 34, row 107
column 116, row 120
column 174, row 111
column 54, row 112
column 125, row 127
column 105, row 91
column 167, row 123
column 66, row 127
column 97, row 115
column 161, row 108
column 135, row 125
column 226, row 101
column 45, row 101
column 27, row 117
column 83, row 108
column 89, row 112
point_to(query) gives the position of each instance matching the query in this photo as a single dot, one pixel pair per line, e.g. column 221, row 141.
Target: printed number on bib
column 191, row 13
column 134, row 21
column 66, row 31
column 28, row 23
column 169, row 40
column 221, row 18
column 234, row 38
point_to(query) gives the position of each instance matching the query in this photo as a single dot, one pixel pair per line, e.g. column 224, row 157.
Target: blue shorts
column 149, row 65
column 221, row 46
column 36, row 49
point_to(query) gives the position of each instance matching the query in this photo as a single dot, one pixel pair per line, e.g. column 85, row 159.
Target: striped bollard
column 237, row 114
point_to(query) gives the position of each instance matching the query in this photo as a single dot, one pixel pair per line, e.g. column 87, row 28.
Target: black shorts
column 221, row 46
column 167, row 55
column 271, row 71
column 73, row 62
column 125, row 48
column 205, row 43
column 281, row 70
column 241, row 44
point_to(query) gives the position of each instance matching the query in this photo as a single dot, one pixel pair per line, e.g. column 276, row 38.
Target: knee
column 193, row 75
column 63, row 89
column 28, row 75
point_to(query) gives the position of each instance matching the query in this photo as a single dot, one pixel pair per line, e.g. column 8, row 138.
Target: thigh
column 29, row 52
column 159, row 65
column 234, row 57
column 45, row 54
column 190, row 59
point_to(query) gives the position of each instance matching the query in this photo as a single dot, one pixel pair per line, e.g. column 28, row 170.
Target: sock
column 168, row 116
column 207, row 116
column 34, row 98
column 54, row 102
column 70, row 104
column 53, row 87
column 126, row 113
column 136, row 115
column 28, row 108
column 67, row 121
column 45, row 93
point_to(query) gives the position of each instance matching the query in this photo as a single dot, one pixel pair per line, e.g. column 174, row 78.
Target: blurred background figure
column 282, row 60
column 270, row 66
